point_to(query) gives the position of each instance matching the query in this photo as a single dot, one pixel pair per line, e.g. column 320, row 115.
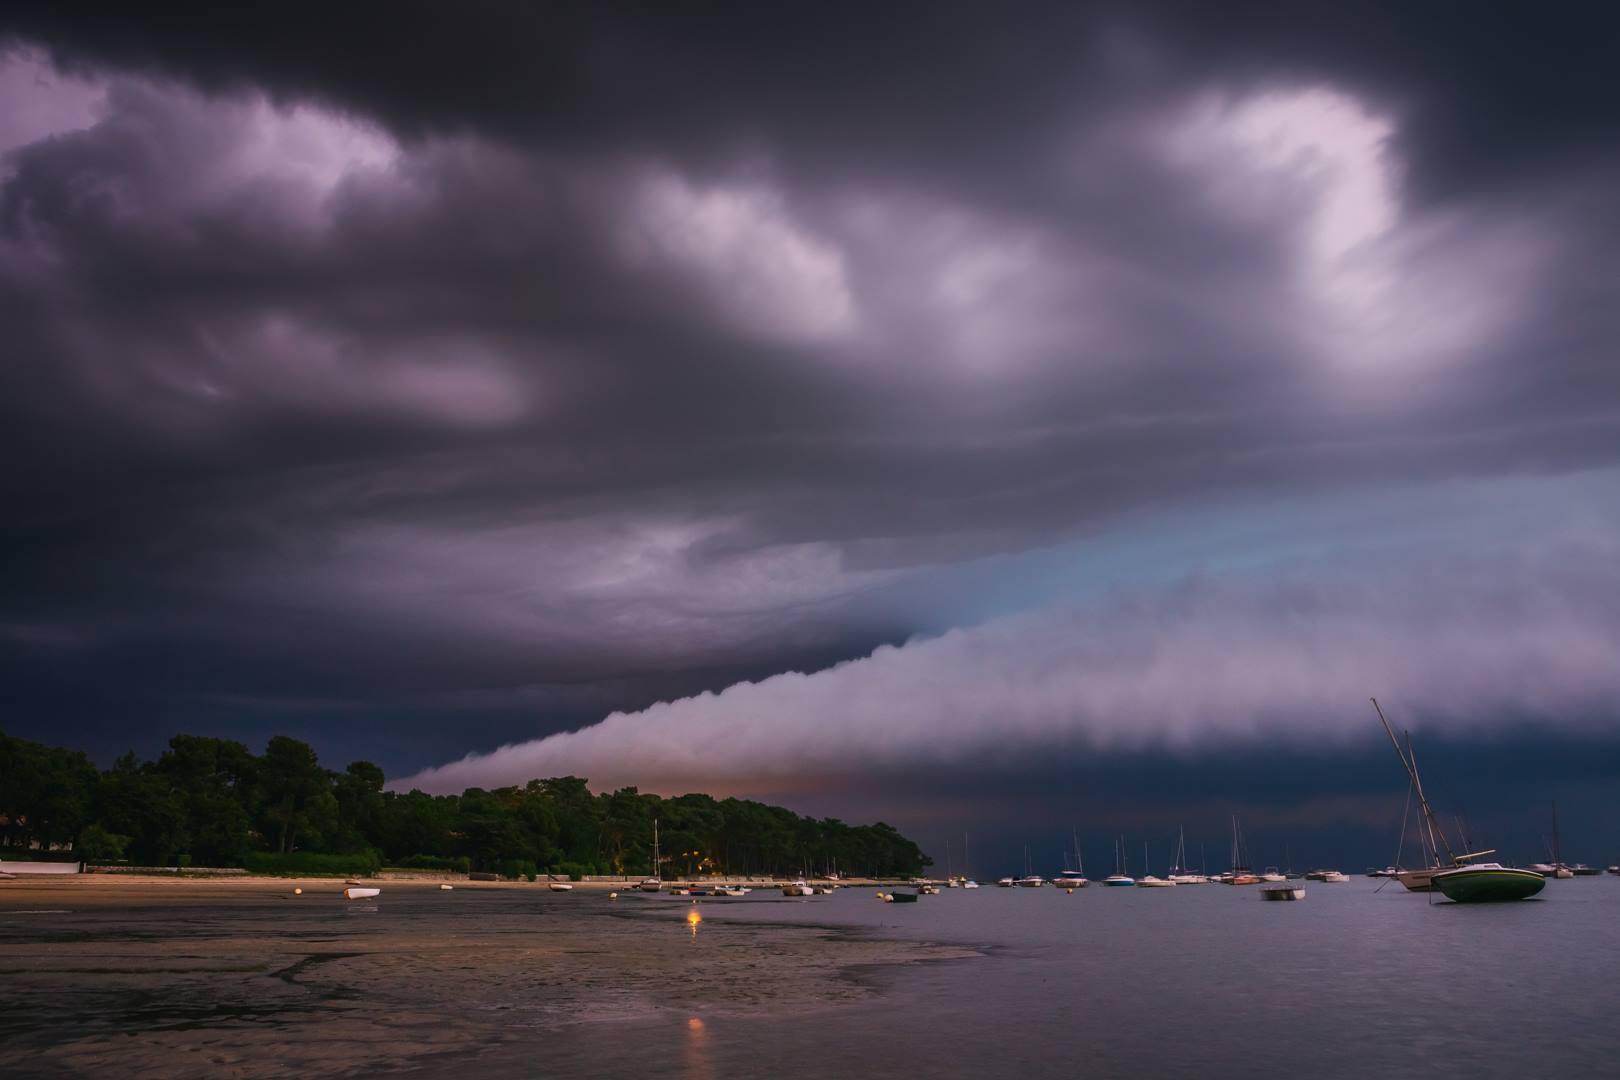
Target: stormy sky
column 985, row 416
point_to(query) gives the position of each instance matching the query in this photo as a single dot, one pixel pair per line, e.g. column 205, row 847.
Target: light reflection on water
column 1189, row 982
column 696, row 1060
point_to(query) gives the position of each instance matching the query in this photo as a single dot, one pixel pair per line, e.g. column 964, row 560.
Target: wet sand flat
column 240, row 977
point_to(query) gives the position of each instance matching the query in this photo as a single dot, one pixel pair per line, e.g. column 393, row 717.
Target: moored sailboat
column 1119, row 878
column 1179, row 873
column 653, row 883
column 1148, row 881
column 1468, row 881
column 1240, row 874
column 1073, row 879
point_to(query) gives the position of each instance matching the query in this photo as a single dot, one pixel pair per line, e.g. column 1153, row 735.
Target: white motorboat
column 1032, row 881
column 798, row 887
column 1005, row 883
column 1071, row 879
column 559, row 886
column 971, row 884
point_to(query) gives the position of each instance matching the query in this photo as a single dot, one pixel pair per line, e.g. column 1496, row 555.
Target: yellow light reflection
column 698, row 1065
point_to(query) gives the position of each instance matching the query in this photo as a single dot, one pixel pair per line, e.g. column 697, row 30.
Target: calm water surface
column 1191, row 981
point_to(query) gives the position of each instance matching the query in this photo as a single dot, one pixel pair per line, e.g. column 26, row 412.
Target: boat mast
column 1431, row 851
column 1406, row 815
column 1410, row 764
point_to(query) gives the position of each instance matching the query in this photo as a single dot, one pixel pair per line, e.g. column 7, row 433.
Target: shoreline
column 239, row 976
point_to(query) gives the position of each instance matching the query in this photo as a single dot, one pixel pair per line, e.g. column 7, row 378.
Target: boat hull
column 1282, row 892
column 1471, row 885
column 1418, row 880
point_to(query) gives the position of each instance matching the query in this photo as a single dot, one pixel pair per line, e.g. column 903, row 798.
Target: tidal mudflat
column 244, row 978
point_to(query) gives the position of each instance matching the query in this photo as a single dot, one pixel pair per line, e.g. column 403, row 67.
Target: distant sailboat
column 653, row 883
column 1148, row 881
column 1073, row 879
column 1179, row 873
column 1030, row 880
column 1119, row 878
column 1559, row 869
column 1240, row 874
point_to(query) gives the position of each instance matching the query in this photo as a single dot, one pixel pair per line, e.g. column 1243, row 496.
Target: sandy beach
column 242, row 977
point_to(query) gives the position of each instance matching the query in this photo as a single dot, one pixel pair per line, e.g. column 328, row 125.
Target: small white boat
column 1273, row 875
column 1189, row 879
column 974, row 884
column 1282, row 892
column 1335, row 877
column 730, row 890
column 446, row 888
column 654, row 883
column 1005, row 883
column 1033, row 881
column 1119, row 879
column 798, row 888
column 1148, row 881
column 559, row 886
column 1071, row 879
column 360, row 894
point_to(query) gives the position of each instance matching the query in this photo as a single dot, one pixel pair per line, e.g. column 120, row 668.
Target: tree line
column 213, row 802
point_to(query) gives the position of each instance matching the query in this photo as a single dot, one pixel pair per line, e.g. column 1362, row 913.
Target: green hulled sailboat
column 1468, row 881
column 1480, row 882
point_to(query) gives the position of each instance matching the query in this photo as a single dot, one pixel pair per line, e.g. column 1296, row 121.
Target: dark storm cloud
column 570, row 357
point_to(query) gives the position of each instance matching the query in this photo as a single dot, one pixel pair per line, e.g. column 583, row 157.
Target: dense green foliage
column 213, row 802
